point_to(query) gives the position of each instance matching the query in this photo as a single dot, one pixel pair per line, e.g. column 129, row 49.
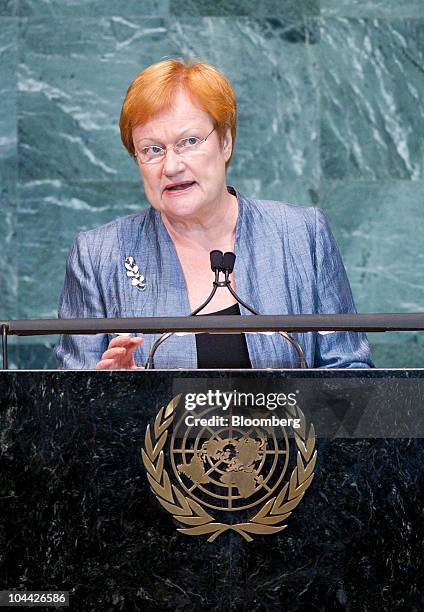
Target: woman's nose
column 172, row 162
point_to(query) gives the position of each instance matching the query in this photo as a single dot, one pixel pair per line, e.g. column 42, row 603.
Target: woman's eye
column 190, row 141
column 152, row 150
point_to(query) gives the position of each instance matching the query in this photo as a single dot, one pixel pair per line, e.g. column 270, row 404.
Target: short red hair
column 153, row 90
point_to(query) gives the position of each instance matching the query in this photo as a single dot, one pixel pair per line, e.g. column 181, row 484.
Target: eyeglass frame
column 167, row 147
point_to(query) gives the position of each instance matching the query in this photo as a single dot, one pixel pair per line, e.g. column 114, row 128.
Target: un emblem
column 224, row 472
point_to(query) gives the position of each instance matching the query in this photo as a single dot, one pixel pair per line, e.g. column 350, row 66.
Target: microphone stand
column 222, row 263
column 285, row 335
column 216, row 258
column 159, row 341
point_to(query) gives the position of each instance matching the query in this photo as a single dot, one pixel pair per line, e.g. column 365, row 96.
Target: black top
column 222, row 350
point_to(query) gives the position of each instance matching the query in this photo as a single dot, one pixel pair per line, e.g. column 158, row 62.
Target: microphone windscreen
column 229, row 261
column 216, row 260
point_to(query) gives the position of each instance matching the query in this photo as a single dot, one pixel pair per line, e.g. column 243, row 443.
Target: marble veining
column 92, row 8
column 8, row 163
column 330, row 115
column 268, row 8
column 372, row 76
column 372, row 8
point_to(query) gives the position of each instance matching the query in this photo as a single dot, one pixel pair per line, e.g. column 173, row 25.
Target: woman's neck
column 211, row 231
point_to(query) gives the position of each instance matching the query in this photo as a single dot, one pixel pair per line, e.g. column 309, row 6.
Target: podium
column 78, row 512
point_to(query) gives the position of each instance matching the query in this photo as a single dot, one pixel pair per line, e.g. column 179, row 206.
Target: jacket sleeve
column 80, row 297
column 339, row 349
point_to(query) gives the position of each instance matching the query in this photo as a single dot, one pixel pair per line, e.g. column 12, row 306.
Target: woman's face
column 201, row 174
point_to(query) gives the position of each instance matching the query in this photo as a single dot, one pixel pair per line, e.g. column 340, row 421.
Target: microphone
column 228, row 261
column 223, row 262
column 217, row 260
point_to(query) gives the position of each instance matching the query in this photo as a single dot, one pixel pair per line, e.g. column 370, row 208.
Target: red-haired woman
column 178, row 122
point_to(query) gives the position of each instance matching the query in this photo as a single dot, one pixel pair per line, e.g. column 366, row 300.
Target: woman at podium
column 178, row 123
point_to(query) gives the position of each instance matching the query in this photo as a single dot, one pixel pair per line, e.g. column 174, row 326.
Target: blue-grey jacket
column 287, row 263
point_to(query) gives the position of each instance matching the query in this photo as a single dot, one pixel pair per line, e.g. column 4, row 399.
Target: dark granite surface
column 76, row 511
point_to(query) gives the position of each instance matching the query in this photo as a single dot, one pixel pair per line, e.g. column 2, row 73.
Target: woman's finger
column 125, row 341
column 119, row 354
column 118, row 351
column 106, row 364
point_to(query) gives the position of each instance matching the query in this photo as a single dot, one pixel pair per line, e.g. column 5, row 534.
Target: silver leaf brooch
column 133, row 273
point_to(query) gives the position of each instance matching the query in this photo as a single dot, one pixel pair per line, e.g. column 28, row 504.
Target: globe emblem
column 228, row 468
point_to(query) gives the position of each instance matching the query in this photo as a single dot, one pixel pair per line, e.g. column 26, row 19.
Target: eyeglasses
column 155, row 153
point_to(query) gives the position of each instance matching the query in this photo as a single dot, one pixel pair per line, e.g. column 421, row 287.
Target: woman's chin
column 184, row 207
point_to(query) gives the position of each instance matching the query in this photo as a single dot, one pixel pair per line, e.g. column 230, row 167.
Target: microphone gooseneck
column 222, row 262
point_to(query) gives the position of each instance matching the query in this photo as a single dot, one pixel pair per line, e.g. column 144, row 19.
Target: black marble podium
column 77, row 512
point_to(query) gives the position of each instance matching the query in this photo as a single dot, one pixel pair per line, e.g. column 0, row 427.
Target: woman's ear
column 227, row 144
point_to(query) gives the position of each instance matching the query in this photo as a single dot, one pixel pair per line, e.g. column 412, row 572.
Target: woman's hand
column 120, row 354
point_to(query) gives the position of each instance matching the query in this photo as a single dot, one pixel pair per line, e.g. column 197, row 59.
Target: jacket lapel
column 148, row 242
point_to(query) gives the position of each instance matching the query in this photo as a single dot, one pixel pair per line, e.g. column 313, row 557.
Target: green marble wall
column 331, row 114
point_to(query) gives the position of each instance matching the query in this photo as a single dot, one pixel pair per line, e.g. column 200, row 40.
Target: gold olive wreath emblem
column 190, row 513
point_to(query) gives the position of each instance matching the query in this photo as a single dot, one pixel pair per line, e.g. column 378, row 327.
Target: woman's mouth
column 179, row 187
